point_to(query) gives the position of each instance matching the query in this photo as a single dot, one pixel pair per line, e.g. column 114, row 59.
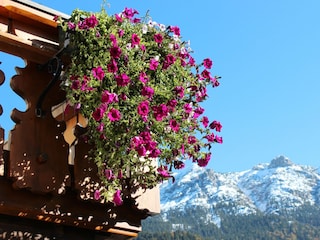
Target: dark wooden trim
column 68, row 211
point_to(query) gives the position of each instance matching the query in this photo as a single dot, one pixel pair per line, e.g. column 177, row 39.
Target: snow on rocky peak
column 269, row 188
column 280, row 161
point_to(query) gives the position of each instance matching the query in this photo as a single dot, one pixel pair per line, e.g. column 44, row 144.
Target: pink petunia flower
column 216, row 125
column 192, row 62
column 160, row 112
column 179, row 91
column 97, row 195
column 108, row 97
column 141, row 150
column 123, row 80
column 91, row 21
column 218, row 139
column 143, row 109
column 192, row 139
column 172, row 104
column 158, row 38
column 114, row 115
column 135, row 40
column 129, row 13
column 98, row 73
column 206, row 74
column 150, row 145
column 117, row 200
column 120, row 174
column 147, row 92
column 153, row 64
column 143, row 77
column 113, row 39
column 205, row 121
column 204, row 161
column 143, row 47
column 118, row 18
column 163, row 171
column 168, row 61
column 198, row 111
column 71, row 25
column 174, row 125
column 175, row 30
column 112, row 67
column 145, row 136
column 98, row 113
column 210, row 137
column 120, row 32
column 108, row 174
column 155, row 153
column 100, row 127
column 178, row 164
column 136, row 141
column 201, row 94
column 207, row 63
column 115, row 52
column 187, row 107
column 75, row 84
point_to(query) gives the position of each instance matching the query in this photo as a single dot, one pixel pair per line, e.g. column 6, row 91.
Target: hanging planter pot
column 140, row 89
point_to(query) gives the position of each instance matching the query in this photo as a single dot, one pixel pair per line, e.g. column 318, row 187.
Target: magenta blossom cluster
column 141, row 90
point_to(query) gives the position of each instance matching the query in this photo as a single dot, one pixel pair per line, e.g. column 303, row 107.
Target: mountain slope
column 266, row 188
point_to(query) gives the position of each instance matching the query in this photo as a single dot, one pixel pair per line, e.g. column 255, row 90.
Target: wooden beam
column 27, row 31
column 67, row 210
column 35, row 51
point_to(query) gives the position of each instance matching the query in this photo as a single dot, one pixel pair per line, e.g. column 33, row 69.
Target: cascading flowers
column 140, row 89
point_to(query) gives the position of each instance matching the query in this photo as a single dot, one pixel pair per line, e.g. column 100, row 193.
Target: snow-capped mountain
column 267, row 188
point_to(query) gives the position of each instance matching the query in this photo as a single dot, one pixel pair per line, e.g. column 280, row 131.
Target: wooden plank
column 22, row 14
column 21, row 228
column 30, row 34
column 31, row 50
column 67, row 210
column 1, row 151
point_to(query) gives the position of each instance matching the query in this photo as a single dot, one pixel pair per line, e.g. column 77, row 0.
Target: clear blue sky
column 268, row 54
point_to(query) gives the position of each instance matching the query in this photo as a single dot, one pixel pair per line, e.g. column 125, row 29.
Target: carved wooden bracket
column 2, row 77
column 38, row 151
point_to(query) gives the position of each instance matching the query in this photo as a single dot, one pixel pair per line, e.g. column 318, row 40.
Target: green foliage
column 140, row 89
column 302, row 223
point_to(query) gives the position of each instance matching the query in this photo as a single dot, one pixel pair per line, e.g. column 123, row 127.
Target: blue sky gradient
column 268, row 55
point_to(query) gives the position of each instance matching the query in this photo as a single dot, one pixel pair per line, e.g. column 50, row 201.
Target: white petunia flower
column 176, row 38
column 128, row 46
column 162, row 27
column 144, row 29
column 150, row 23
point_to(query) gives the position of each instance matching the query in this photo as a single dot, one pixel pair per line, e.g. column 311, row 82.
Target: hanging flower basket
column 141, row 90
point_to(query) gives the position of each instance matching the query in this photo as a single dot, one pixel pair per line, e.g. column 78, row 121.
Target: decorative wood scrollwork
column 2, row 78
column 38, row 152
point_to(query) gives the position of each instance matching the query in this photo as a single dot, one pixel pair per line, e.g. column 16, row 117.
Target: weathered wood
column 27, row 32
column 38, row 152
column 1, row 151
column 67, row 211
column 2, row 77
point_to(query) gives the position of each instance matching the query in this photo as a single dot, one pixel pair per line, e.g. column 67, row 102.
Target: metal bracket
column 55, row 67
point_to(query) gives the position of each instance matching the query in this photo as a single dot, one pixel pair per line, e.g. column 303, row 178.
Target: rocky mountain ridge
column 268, row 188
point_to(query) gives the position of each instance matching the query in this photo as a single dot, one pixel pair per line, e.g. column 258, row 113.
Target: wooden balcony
column 39, row 190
